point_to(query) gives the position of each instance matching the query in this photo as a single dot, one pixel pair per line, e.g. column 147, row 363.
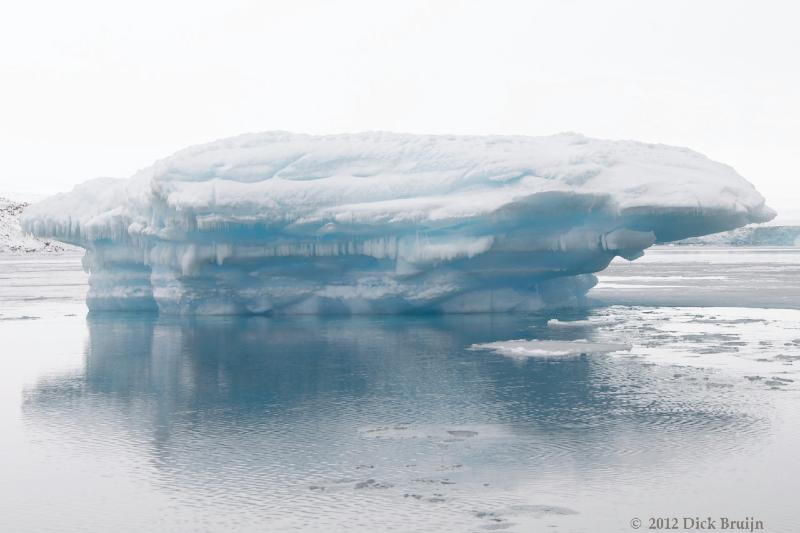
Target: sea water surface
column 135, row 422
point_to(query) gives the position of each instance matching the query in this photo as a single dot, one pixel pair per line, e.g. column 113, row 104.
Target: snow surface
column 384, row 223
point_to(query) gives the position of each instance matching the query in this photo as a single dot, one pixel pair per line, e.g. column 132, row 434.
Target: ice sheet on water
column 384, row 223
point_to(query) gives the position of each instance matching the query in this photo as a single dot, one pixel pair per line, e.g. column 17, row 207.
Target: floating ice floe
column 521, row 348
column 556, row 323
column 386, row 223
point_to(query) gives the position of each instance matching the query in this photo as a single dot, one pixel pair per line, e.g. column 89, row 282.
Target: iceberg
column 381, row 222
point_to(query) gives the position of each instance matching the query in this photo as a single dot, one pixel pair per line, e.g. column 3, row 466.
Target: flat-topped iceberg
column 386, row 223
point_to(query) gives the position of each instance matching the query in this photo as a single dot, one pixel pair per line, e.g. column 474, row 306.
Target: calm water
column 144, row 423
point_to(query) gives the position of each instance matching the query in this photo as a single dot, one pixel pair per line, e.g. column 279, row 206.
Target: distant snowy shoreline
column 752, row 235
column 13, row 240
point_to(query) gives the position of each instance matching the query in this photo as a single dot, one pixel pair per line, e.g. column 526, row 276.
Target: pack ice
column 385, row 223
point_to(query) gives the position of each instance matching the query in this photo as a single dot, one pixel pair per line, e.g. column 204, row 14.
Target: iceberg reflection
column 314, row 422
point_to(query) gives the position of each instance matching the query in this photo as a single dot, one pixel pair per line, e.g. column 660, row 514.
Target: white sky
column 100, row 88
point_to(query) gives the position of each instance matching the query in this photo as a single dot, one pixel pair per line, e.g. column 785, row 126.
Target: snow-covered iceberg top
column 384, row 222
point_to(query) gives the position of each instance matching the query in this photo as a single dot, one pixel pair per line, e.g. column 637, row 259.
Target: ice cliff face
column 385, row 223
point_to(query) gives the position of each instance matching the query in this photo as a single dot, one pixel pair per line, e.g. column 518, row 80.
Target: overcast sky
column 101, row 88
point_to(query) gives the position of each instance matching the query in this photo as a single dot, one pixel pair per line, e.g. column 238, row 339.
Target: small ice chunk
column 522, row 348
column 556, row 323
